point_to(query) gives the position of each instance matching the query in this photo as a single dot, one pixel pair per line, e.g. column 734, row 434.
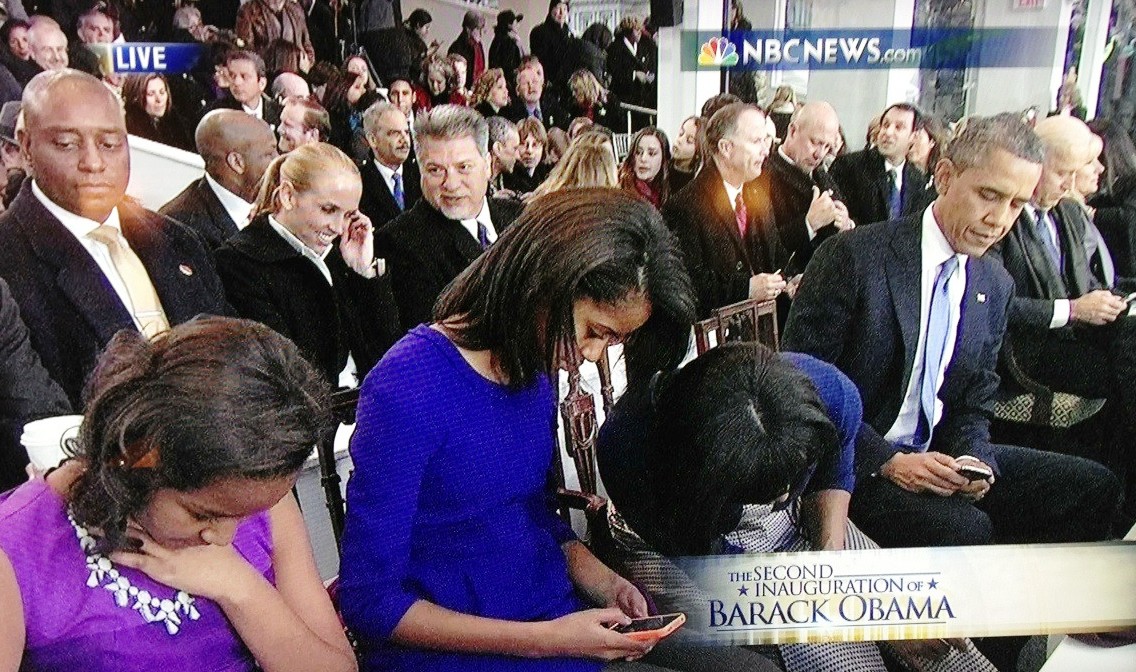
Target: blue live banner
column 868, row 49
column 143, row 57
column 915, row 593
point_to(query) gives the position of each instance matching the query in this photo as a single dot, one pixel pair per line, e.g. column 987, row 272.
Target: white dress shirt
column 388, row 177
column 238, row 208
column 483, row 217
column 349, row 376
column 1062, row 308
column 80, row 227
column 633, row 48
column 257, row 111
column 732, row 194
column 934, row 250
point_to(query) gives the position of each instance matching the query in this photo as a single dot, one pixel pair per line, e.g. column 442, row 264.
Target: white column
column 1092, row 52
column 1010, row 89
column 903, row 83
column 681, row 94
column 857, row 95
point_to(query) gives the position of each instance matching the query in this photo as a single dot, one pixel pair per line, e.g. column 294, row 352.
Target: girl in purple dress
column 453, row 555
column 169, row 542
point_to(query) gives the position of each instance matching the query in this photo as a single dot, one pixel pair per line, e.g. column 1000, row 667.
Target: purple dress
column 71, row 626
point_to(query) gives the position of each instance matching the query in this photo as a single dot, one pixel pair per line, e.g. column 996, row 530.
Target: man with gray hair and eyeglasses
column 914, row 312
column 431, row 243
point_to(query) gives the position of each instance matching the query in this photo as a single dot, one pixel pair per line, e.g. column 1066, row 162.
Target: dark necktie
column 934, row 349
column 740, row 215
column 1047, row 239
column 895, row 198
column 536, row 113
column 399, row 196
column 482, row 235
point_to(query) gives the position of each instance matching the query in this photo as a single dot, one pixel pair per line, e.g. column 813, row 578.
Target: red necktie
column 740, row 215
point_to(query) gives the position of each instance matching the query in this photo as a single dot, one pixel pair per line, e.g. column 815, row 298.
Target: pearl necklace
column 152, row 609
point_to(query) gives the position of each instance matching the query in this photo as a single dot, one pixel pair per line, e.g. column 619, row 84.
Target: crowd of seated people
column 444, row 232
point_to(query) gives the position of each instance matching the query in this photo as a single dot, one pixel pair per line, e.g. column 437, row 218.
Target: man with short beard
column 429, row 245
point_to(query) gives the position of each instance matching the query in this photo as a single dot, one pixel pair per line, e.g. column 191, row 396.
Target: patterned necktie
column 934, row 349
column 895, row 198
column 399, row 196
column 740, row 215
column 1043, row 232
column 536, row 113
column 145, row 305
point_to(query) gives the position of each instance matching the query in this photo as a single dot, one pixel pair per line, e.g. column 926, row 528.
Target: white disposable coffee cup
column 44, row 439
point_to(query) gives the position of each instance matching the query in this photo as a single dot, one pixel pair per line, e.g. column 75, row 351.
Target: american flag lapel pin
column 981, row 297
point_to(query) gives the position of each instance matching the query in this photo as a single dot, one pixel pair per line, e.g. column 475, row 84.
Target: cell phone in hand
column 651, row 627
column 973, row 472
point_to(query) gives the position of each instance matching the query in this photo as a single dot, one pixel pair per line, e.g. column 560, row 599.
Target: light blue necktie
column 399, row 196
column 934, row 349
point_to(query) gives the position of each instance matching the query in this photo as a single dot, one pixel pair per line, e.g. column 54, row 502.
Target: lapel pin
column 981, row 297
column 185, row 269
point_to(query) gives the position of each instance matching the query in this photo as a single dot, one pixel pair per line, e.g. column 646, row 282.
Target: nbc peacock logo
column 718, row 52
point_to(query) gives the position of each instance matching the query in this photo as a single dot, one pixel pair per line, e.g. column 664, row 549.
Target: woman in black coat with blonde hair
column 306, row 265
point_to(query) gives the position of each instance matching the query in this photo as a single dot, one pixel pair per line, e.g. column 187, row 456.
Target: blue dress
column 452, row 502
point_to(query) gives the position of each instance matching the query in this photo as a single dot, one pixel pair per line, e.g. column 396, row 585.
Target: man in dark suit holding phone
column 1067, row 329
column 914, row 314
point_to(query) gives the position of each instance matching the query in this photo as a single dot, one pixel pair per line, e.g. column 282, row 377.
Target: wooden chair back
column 578, row 415
column 749, row 320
